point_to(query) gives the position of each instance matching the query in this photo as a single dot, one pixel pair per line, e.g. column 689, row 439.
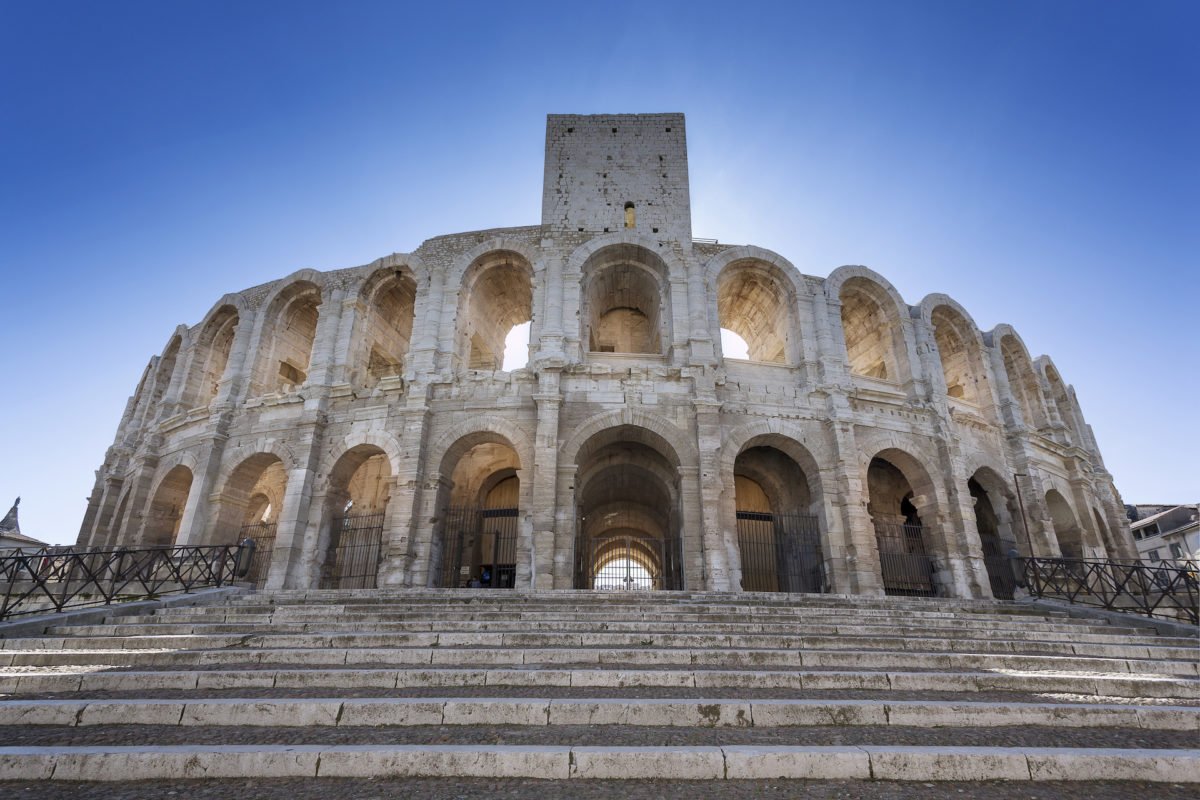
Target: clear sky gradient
column 1037, row 161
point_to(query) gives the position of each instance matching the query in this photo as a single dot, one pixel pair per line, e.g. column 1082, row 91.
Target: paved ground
column 603, row 735
column 479, row 788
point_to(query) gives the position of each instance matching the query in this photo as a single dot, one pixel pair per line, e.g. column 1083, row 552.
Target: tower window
column 630, row 216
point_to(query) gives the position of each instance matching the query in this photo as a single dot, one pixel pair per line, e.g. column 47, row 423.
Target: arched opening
column 627, row 497
column 623, row 301
column 779, row 536
column 291, row 325
column 996, row 540
column 755, row 303
column 497, row 297
column 1110, row 546
column 1062, row 401
column 166, row 509
column 1066, row 528
column 904, row 559
column 212, row 349
column 355, row 509
column 248, row 508
column 385, row 328
column 874, row 340
column 166, row 368
column 630, row 216
column 1022, row 382
column 476, row 543
column 959, row 353
column 118, row 521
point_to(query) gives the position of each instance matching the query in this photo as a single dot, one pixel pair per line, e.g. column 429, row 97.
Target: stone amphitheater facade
column 359, row 426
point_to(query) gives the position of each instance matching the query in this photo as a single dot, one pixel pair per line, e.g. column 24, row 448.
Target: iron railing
column 56, row 578
column 907, row 569
column 780, row 552
column 1167, row 591
column 262, row 534
column 355, row 557
column 479, row 547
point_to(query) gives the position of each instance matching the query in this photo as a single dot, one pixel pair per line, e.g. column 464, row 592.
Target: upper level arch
column 872, row 320
column 287, row 333
column 757, row 299
column 960, row 349
column 1022, row 380
column 625, row 297
column 652, row 429
column 211, row 350
column 1060, row 397
column 496, row 295
column 383, row 326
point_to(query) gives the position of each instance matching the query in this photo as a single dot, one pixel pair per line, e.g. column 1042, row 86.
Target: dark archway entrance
column 627, row 493
column 904, row 560
column 779, row 539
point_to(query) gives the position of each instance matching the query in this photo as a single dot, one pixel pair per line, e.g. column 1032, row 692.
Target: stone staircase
column 576, row 685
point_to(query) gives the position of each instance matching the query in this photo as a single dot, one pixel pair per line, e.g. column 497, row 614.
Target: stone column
column 715, row 544
column 400, row 536
column 545, row 472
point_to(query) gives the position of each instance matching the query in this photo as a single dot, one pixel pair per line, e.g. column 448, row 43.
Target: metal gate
column 907, row 569
column 780, row 552
column 999, row 566
column 627, row 563
column 356, row 552
column 263, row 536
column 479, row 547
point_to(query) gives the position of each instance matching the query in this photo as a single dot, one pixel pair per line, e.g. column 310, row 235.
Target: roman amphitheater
column 360, row 426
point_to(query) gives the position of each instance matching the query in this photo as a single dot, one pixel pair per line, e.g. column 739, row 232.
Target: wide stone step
column 643, row 657
column 272, row 640
column 700, row 713
column 132, row 763
column 373, row 625
column 1076, row 684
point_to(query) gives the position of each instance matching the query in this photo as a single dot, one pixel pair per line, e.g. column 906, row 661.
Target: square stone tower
column 609, row 172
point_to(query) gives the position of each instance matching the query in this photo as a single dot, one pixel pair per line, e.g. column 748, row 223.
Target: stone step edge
column 668, row 712
column 406, row 678
column 554, row 762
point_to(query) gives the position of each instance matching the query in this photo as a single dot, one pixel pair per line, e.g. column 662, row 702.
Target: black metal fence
column 907, row 569
column 626, row 562
column 479, row 547
column 999, row 566
column 263, row 536
column 53, row 579
column 1167, row 591
column 780, row 552
column 356, row 551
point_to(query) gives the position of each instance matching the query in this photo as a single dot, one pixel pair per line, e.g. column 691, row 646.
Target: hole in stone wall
column 733, row 346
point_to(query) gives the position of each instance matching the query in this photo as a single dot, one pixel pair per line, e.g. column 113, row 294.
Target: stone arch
column 683, row 450
column 167, row 504
column 995, row 511
column 757, row 298
column 1060, row 397
column 873, row 324
column 496, row 295
column 1110, row 543
column 1022, row 380
column 477, row 543
column 163, row 370
column 625, row 292
column 381, row 441
column 902, row 501
column 210, row 355
column 1067, row 529
column 627, row 492
column 353, row 517
column 287, row 335
column 248, row 503
column 960, row 349
column 773, row 503
column 485, row 429
column 383, row 326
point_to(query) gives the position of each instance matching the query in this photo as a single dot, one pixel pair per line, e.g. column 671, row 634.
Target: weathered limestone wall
column 390, row 387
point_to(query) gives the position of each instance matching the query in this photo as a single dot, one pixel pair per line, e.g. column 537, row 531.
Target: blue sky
column 1036, row 161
